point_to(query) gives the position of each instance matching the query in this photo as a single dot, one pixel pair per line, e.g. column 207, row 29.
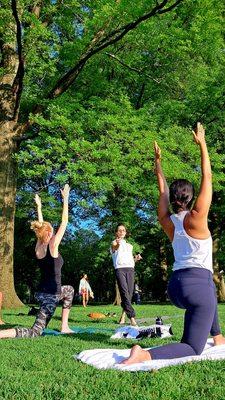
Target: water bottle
column 159, row 321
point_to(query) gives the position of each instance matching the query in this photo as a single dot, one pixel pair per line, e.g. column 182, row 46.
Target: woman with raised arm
column 191, row 285
column 50, row 262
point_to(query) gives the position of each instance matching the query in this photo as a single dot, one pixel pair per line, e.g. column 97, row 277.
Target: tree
column 34, row 53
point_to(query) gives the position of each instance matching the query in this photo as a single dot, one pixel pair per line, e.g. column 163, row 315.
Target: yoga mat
column 77, row 329
column 111, row 358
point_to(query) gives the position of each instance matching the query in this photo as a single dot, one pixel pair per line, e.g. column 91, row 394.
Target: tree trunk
column 117, row 300
column 7, row 213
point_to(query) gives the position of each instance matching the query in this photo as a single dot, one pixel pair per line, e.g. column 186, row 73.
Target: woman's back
column 188, row 251
column 50, row 268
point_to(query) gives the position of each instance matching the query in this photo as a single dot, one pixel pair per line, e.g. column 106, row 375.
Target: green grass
column 43, row 368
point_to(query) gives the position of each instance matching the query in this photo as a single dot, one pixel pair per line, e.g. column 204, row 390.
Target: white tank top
column 190, row 252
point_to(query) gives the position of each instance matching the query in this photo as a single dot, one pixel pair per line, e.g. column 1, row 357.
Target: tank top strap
column 178, row 220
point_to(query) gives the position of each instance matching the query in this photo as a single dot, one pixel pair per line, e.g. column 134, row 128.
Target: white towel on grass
column 111, row 358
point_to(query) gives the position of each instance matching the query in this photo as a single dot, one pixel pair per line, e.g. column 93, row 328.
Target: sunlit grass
column 44, row 368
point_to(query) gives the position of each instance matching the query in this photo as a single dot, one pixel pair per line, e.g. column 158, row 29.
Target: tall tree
column 38, row 36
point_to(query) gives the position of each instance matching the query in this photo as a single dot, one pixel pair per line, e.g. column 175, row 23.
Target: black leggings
column 192, row 289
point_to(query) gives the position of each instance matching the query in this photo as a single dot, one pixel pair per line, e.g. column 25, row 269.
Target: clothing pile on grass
column 140, row 332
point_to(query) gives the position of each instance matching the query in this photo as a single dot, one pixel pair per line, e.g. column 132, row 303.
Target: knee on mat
column 28, row 332
column 198, row 352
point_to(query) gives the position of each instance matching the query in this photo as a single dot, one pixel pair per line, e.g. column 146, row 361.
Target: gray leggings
column 192, row 289
column 125, row 280
column 48, row 303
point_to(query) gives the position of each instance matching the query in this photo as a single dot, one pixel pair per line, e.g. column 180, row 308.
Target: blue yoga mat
column 77, row 329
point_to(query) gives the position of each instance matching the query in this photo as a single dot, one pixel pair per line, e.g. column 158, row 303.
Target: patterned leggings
column 48, row 304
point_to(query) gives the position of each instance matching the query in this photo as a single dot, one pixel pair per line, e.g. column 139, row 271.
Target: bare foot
column 67, row 330
column 137, row 355
column 218, row 340
column 133, row 322
column 122, row 318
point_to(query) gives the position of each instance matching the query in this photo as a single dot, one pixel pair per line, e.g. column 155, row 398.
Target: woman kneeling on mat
column 191, row 286
column 50, row 291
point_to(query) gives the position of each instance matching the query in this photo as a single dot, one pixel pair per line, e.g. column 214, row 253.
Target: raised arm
column 115, row 244
column 163, row 205
column 203, row 201
column 39, row 207
column 59, row 234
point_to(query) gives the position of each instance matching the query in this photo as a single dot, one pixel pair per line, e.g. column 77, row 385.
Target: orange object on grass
column 96, row 315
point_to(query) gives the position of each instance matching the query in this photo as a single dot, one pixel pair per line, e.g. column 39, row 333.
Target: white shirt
column 84, row 285
column 188, row 251
column 123, row 256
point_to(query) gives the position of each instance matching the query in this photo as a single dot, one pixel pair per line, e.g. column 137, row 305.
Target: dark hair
column 117, row 227
column 127, row 231
column 181, row 195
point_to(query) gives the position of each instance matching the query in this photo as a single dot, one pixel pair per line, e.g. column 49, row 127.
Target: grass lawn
column 44, row 368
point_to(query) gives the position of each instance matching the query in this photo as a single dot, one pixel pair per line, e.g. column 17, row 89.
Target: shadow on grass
column 7, row 326
column 18, row 315
column 87, row 322
column 101, row 340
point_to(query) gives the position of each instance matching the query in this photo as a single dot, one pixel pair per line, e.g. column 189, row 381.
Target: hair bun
column 181, row 195
column 35, row 225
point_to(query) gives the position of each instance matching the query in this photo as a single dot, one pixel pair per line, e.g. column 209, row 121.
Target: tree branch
column 139, row 71
column 140, row 97
column 18, row 81
column 132, row 25
column 171, row 7
column 97, row 45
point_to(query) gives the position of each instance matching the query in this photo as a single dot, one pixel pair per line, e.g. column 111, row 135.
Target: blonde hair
column 41, row 229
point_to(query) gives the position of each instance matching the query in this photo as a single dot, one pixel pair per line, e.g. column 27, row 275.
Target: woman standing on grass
column 50, row 291
column 191, row 285
column 124, row 262
column 85, row 290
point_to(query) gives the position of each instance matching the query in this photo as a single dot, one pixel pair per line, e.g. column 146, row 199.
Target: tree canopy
column 96, row 83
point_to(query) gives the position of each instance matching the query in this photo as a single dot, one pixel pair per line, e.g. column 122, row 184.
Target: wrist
column 203, row 147
column 202, row 143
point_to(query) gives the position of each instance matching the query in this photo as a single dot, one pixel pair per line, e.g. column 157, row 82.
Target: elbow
column 160, row 219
